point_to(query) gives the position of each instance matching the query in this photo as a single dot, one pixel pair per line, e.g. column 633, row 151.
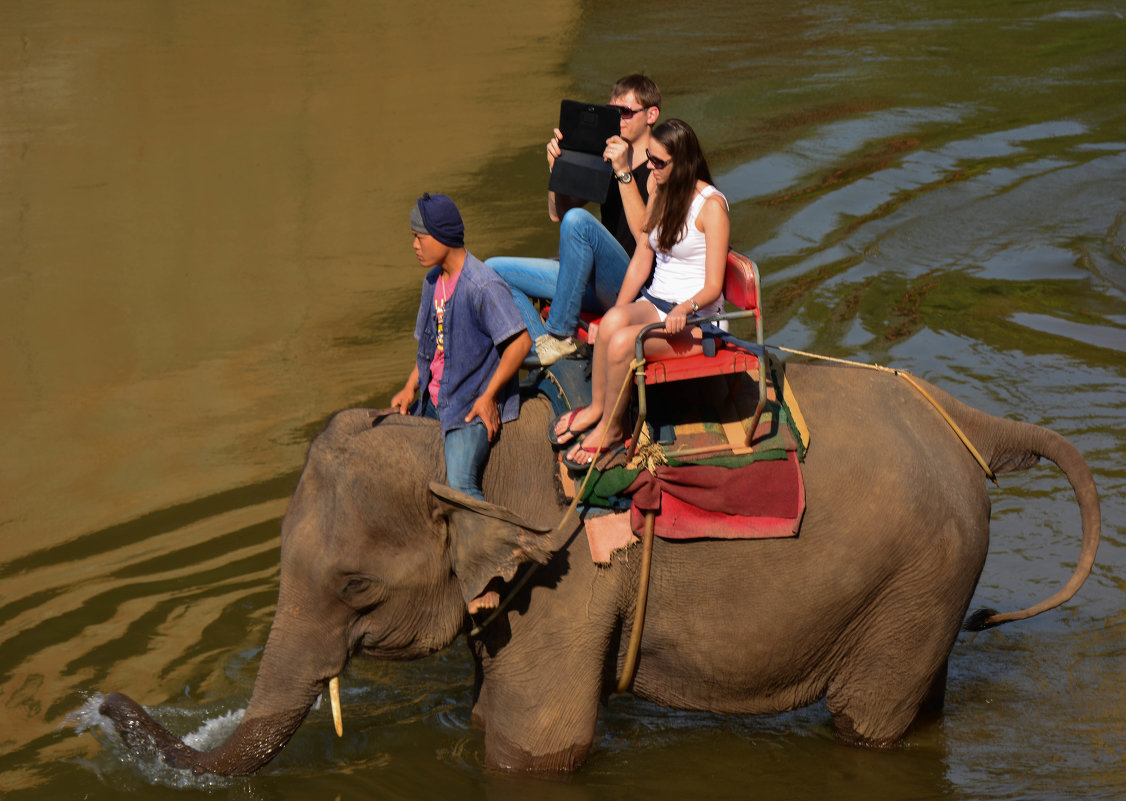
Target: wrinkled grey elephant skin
column 862, row 608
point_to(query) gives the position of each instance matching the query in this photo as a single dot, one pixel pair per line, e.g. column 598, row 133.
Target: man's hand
column 485, row 409
column 403, row 400
column 405, row 396
column 512, row 353
column 553, row 149
column 617, row 152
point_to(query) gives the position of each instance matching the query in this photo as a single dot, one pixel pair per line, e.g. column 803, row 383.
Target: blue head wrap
column 438, row 216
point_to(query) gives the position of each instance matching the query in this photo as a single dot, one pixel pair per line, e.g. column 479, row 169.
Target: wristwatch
column 695, row 305
column 624, row 177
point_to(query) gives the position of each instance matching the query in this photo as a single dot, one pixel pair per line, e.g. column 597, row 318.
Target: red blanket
column 761, row 499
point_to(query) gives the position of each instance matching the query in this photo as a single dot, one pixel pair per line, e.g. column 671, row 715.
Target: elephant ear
column 488, row 541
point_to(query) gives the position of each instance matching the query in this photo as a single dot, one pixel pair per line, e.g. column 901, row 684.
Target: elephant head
column 375, row 560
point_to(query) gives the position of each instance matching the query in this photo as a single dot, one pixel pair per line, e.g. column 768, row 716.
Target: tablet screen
column 586, row 126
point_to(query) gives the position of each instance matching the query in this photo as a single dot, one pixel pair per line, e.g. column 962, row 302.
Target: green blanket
column 700, row 422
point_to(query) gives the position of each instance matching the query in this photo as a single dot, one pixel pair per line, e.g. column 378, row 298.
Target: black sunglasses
column 658, row 164
column 627, row 112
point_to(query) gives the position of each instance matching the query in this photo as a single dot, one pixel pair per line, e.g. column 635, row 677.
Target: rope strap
column 570, row 515
column 910, row 380
column 647, row 538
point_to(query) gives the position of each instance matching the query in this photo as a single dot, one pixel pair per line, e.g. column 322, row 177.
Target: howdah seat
column 729, row 355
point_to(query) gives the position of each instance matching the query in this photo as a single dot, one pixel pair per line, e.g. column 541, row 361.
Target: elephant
column 862, row 608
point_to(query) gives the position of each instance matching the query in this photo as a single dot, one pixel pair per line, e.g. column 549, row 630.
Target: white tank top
column 679, row 274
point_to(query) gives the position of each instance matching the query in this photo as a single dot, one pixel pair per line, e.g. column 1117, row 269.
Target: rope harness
column 630, row 665
column 569, row 517
column 910, row 380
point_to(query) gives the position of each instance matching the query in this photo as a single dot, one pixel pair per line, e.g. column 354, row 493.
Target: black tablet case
column 580, row 170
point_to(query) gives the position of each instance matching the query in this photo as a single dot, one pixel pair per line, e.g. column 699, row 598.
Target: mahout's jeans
column 587, row 277
column 467, row 450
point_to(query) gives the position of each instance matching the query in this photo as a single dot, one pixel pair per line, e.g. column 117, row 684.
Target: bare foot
column 489, row 599
column 600, row 440
column 575, row 422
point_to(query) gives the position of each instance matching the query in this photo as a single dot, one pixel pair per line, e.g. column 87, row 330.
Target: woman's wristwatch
column 695, row 305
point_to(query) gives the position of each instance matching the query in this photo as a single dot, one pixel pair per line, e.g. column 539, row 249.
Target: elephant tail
column 1008, row 445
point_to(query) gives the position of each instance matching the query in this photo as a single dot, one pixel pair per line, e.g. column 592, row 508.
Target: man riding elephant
column 862, row 608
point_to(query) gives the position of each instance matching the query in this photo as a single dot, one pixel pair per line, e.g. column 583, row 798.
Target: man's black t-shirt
column 614, row 215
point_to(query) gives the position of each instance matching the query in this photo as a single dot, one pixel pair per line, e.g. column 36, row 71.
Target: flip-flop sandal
column 612, row 447
column 553, row 437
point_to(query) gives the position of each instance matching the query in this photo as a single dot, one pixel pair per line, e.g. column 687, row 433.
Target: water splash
column 117, row 763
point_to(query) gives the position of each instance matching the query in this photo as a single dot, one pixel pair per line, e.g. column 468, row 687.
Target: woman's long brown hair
column 672, row 200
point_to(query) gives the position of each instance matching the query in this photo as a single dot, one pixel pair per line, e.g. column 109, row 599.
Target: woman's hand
column 675, row 320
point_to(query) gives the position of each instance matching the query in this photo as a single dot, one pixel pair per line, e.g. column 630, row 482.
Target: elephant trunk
column 284, row 691
column 255, row 742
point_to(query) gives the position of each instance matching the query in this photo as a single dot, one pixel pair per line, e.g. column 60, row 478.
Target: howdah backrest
column 741, row 287
column 740, row 282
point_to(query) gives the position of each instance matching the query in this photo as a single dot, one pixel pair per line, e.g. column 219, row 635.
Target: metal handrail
column 639, row 369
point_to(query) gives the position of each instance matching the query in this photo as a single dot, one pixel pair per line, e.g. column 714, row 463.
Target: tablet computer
column 580, row 170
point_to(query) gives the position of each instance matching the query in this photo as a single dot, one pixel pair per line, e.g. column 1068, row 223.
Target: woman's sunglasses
column 658, row 164
column 627, row 112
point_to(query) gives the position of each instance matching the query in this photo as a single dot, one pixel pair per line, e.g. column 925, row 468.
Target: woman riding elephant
column 685, row 250
column 862, row 608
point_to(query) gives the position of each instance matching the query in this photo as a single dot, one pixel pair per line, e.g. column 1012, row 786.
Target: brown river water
column 204, row 253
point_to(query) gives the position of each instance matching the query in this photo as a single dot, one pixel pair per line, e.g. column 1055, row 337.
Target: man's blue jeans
column 528, row 278
column 467, row 450
column 587, row 277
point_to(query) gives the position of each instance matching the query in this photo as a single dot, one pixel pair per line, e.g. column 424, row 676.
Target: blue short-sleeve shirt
column 480, row 315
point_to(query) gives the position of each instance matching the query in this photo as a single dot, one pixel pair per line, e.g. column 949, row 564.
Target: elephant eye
column 355, row 585
column 361, row 593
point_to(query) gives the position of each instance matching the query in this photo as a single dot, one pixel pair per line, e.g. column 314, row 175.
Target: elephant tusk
column 334, row 698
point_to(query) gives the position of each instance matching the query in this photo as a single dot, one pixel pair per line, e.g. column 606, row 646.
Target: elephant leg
column 541, row 690
column 480, row 703
column 935, row 699
column 875, row 711
column 544, row 723
column 894, row 674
